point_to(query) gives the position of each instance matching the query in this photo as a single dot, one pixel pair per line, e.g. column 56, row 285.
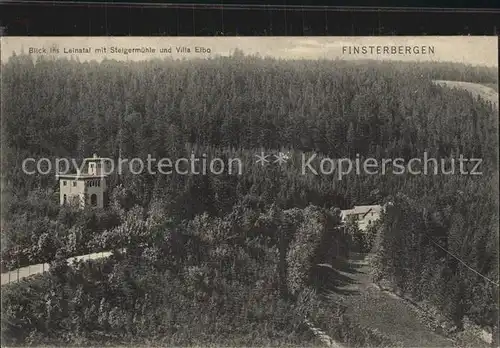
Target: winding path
column 372, row 308
column 28, row 271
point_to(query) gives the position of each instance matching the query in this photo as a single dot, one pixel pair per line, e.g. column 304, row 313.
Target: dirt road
column 376, row 309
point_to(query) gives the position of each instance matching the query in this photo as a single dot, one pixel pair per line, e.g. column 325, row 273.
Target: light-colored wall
column 363, row 223
column 368, row 219
column 71, row 192
column 82, row 191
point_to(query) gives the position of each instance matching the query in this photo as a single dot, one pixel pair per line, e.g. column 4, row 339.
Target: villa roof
column 94, row 158
column 84, row 173
column 81, row 176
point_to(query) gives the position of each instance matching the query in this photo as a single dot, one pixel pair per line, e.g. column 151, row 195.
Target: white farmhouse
column 365, row 215
column 84, row 188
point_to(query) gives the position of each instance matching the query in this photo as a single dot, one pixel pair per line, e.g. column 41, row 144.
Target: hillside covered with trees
column 230, row 256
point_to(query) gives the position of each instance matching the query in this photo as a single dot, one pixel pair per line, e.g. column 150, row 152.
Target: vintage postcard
column 250, row 191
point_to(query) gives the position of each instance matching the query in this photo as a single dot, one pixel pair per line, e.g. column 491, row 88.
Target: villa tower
column 87, row 188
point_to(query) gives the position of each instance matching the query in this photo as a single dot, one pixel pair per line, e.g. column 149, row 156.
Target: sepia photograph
column 250, row 191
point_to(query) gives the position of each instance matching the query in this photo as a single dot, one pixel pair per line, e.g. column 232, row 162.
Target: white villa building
column 84, row 188
column 365, row 215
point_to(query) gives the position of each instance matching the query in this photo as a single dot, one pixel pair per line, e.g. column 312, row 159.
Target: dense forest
column 201, row 247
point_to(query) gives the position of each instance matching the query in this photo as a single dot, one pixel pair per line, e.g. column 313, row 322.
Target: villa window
column 64, row 182
column 74, row 183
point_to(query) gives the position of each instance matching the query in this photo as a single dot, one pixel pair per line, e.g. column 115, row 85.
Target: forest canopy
column 234, row 107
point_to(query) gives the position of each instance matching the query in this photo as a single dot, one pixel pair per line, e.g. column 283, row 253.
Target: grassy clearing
column 385, row 319
column 487, row 91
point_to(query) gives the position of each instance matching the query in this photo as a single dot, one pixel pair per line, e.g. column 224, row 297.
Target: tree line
column 235, row 107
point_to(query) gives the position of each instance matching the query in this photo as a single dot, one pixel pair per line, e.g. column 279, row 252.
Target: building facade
column 86, row 188
column 365, row 215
